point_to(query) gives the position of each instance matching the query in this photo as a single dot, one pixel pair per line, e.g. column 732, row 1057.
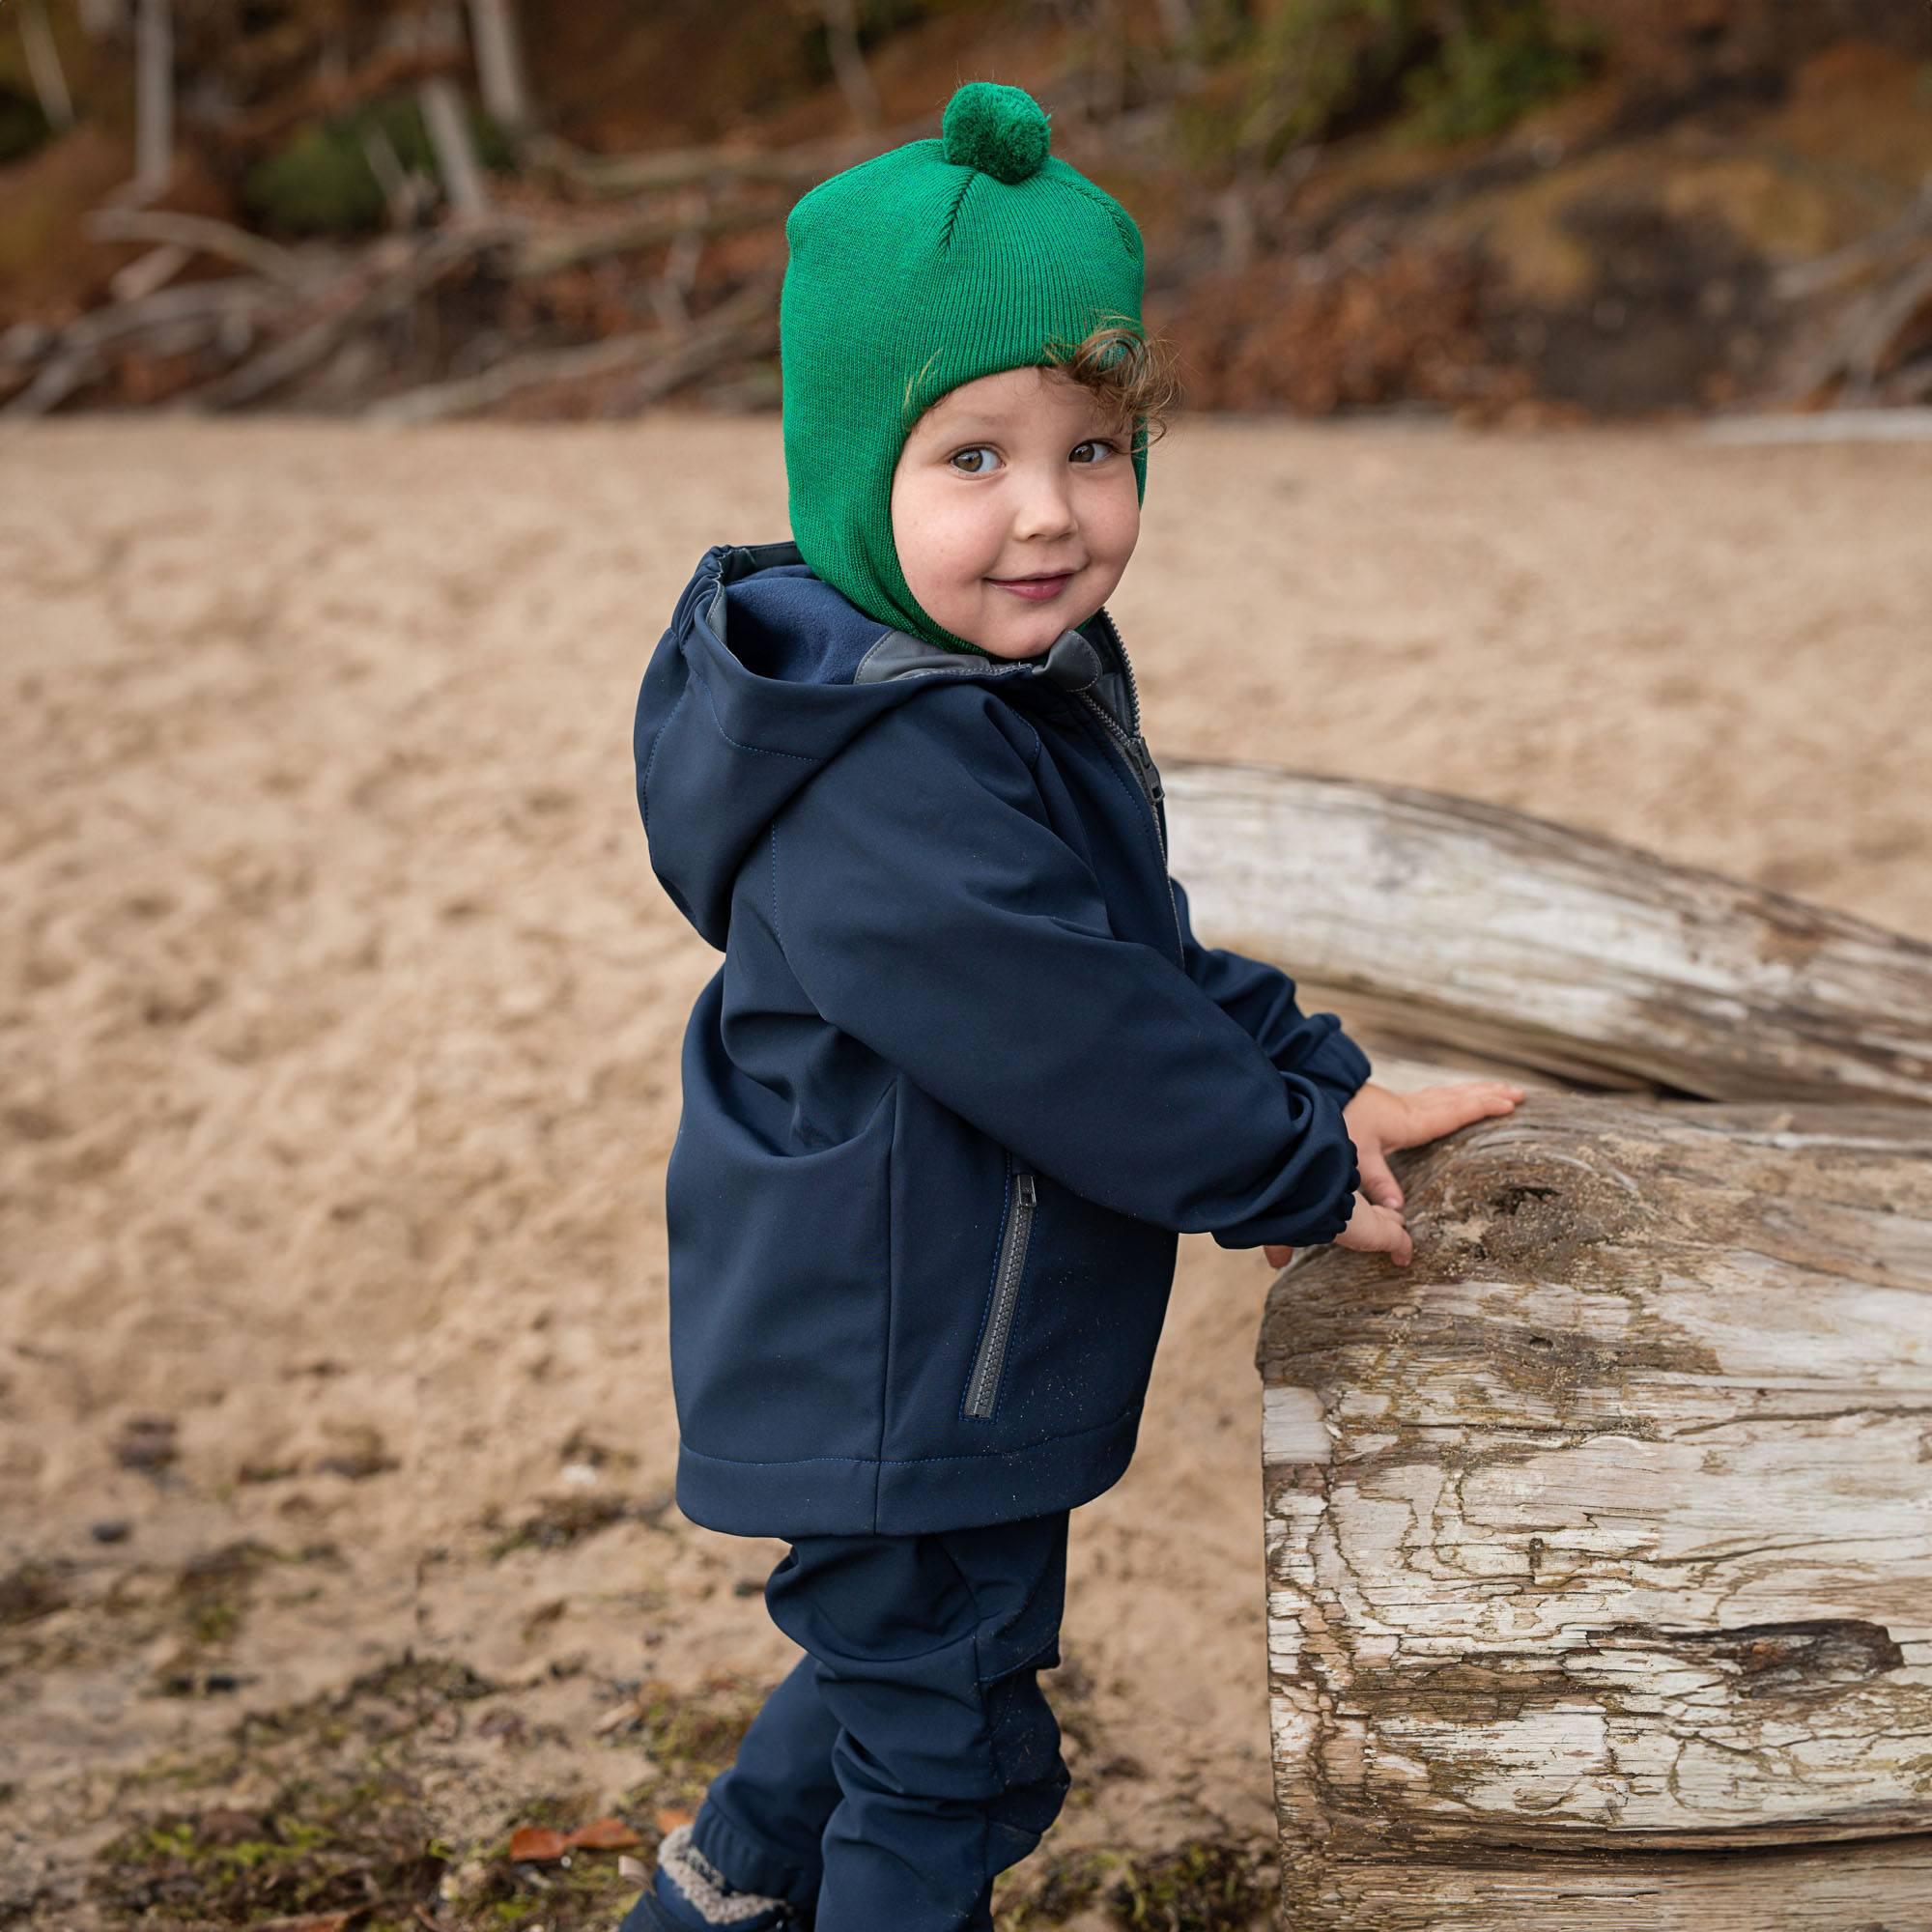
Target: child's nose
column 1046, row 510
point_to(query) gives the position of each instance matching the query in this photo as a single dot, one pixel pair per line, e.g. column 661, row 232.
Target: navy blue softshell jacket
column 963, row 1076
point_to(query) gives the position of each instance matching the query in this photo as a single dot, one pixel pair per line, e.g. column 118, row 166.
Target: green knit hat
column 927, row 267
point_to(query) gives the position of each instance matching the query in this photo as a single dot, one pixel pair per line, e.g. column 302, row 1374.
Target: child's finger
column 1435, row 1111
column 1378, row 1184
column 1394, row 1239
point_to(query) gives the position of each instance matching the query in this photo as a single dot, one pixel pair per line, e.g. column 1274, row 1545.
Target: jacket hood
column 764, row 674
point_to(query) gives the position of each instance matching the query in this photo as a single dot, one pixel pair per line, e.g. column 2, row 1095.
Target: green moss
column 319, row 181
column 1201, row 1885
column 1050, row 1888
column 316, row 1847
column 345, row 1827
column 1312, row 70
column 163, row 1841
column 509, row 1912
column 694, row 1736
column 214, row 1623
column 584, row 1892
column 1304, row 71
column 1484, row 80
column 23, row 126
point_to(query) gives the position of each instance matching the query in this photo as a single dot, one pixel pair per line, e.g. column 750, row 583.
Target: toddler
column 964, row 1074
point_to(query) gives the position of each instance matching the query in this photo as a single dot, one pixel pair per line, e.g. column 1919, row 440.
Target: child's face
column 1012, row 475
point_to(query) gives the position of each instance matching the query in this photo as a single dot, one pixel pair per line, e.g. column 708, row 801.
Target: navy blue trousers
column 910, row 1754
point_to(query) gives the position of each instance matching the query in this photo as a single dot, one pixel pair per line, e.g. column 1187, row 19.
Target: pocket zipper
column 984, row 1383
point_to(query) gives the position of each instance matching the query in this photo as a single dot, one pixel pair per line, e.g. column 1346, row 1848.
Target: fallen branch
column 328, row 95
column 616, row 174
column 55, row 383
column 448, row 251
column 1800, row 279
column 1896, row 309
column 746, row 324
column 1406, row 908
column 182, row 316
column 233, row 296
column 544, row 252
column 149, row 272
column 206, row 236
column 1864, row 332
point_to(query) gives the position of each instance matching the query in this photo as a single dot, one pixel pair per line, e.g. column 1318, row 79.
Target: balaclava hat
column 923, row 267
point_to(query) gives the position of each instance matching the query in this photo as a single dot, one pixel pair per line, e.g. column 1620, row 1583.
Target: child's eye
column 1096, row 443
column 978, row 450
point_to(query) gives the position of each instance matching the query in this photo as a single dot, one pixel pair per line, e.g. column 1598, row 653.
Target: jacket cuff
column 1342, row 1210
column 1343, row 1214
column 1338, row 1063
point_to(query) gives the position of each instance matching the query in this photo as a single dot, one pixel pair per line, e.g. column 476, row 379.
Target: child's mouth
column 1036, row 589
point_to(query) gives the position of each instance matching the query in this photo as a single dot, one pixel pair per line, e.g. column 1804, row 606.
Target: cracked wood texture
column 1601, row 1538
column 1599, row 1542
column 1455, row 922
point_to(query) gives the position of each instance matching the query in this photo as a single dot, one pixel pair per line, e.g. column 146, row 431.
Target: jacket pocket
column 983, row 1385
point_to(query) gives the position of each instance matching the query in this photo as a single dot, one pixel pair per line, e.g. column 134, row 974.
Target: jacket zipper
column 1140, row 761
column 1134, row 748
column 985, row 1381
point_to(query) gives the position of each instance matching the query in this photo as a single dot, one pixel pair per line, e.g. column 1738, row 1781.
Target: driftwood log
column 1599, row 1541
column 1447, row 920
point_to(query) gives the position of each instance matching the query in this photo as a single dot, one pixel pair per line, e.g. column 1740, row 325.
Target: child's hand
column 1370, row 1230
column 1378, row 1120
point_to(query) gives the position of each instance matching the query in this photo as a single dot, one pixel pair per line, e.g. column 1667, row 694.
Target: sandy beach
column 341, row 1016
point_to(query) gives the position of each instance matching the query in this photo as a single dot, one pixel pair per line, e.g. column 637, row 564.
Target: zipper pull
column 1029, row 1192
column 1151, row 776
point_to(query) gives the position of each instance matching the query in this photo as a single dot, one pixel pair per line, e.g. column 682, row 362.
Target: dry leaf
column 604, row 1834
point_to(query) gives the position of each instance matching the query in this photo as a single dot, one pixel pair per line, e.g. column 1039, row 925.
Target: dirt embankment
column 1566, row 211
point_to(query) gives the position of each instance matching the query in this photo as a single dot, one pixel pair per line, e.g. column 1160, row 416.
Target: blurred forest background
column 1504, row 209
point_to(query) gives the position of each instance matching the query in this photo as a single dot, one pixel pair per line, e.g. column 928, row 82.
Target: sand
column 341, row 1012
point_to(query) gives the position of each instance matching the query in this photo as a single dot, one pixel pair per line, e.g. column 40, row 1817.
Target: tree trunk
column 44, row 66
column 455, row 157
column 154, row 98
column 500, row 63
column 848, row 61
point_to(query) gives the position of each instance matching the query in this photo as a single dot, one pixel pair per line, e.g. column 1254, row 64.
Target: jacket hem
column 868, row 1495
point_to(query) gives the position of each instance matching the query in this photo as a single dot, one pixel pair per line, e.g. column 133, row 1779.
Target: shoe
column 699, row 1897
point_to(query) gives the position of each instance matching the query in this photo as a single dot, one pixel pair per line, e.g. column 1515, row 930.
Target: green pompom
column 1001, row 131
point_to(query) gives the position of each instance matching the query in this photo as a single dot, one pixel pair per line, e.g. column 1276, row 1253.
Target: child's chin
column 1027, row 640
